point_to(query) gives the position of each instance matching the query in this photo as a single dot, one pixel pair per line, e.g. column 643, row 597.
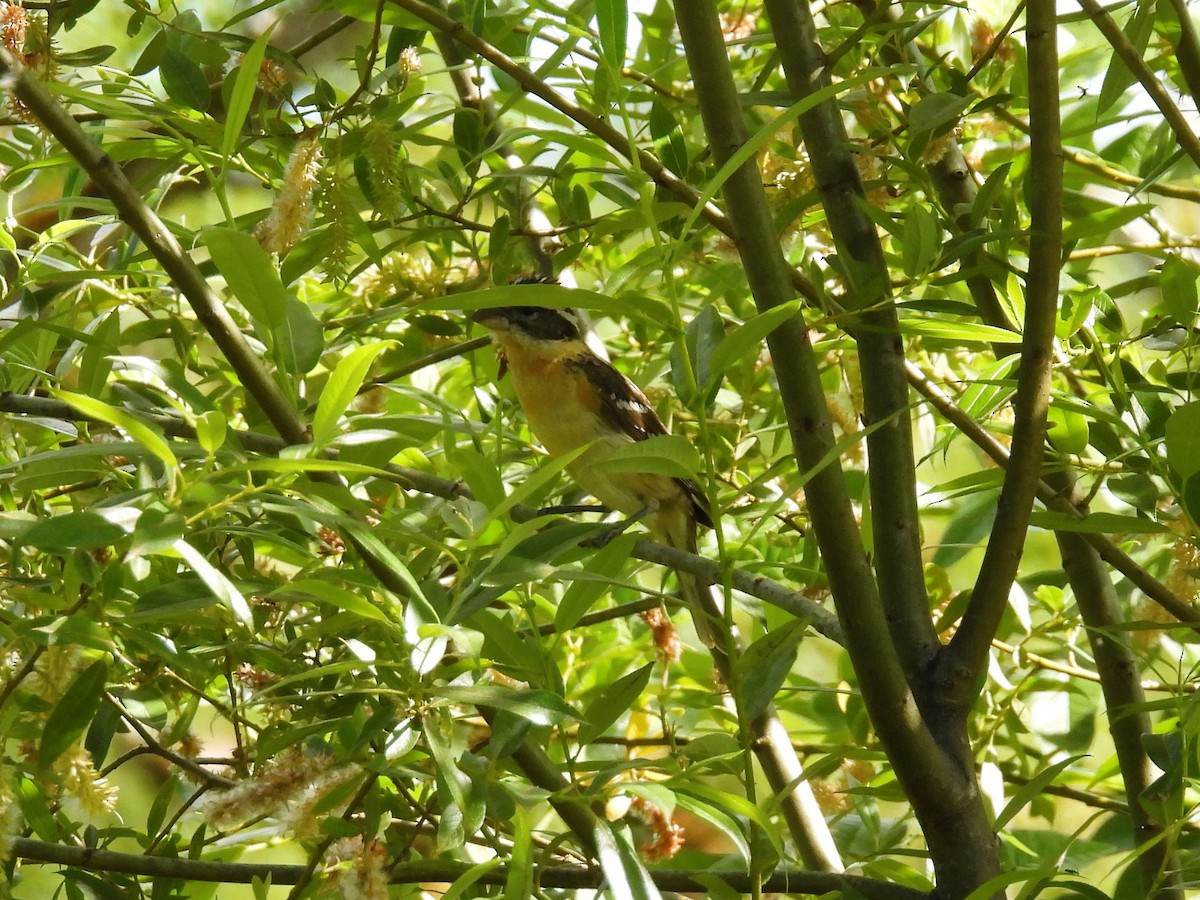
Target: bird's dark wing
column 624, row 408
column 622, row 405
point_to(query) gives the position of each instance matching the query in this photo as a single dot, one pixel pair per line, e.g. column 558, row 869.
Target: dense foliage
column 282, row 586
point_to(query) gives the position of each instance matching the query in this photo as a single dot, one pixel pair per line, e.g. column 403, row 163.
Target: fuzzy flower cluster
column 656, row 836
column 10, row 817
column 382, row 152
column 285, row 224
column 28, row 39
column 356, row 869
column 85, row 795
column 403, row 275
column 287, row 790
column 666, row 638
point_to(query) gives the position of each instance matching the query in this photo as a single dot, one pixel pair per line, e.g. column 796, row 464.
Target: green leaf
column 605, row 566
column 1183, row 439
column 222, row 588
column 73, row 713
column 625, row 875
column 1181, row 300
column 664, row 454
column 251, row 274
column 697, row 387
column 613, row 701
column 922, row 241
column 136, row 429
column 612, row 22
column 337, row 597
column 1067, row 429
column 747, row 338
column 84, row 530
column 1031, row 789
column 537, row 706
column 762, row 669
column 519, row 885
column 183, row 79
column 341, row 388
column 1118, row 77
column 554, row 296
column 299, row 341
column 934, row 112
column 244, row 85
column 989, row 192
column 1095, row 523
column 957, row 331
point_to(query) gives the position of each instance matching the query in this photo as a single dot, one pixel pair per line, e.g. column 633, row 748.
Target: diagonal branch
column 596, row 125
column 1145, row 75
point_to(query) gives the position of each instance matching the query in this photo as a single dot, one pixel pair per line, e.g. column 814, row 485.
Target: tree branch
column 1128, row 720
column 892, row 472
column 435, row 870
column 758, row 586
column 1145, row 75
column 966, row 655
column 925, row 770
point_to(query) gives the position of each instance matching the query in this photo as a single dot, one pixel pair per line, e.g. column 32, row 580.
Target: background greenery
column 277, row 604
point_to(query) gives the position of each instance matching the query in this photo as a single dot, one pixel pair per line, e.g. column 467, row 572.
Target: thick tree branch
column 928, row 773
column 966, row 655
column 895, row 522
column 1124, row 699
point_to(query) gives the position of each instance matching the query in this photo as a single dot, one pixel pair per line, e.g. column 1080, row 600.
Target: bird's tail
column 677, row 529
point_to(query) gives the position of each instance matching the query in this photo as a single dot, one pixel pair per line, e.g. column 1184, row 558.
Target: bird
column 574, row 398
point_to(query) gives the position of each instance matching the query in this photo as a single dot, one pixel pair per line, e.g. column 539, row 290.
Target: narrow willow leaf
column 538, row 706
column 743, row 340
column 612, row 22
column 141, row 432
column 664, row 454
column 242, row 94
column 251, row 275
column 341, row 388
column 223, row 589
column 73, row 712
column 613, row 701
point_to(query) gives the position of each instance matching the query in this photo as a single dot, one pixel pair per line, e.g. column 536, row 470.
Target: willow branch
column 1145, row 75
column 1128, row 720
column 966, row 655
column 749, row 583
column 689, row 880
column 892, row 472
column 596, row 125
column 1054, row 500
column 159, row 240
column 921, row 762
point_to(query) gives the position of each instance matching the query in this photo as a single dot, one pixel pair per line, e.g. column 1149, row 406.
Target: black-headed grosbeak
column 573, row 398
